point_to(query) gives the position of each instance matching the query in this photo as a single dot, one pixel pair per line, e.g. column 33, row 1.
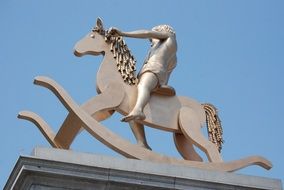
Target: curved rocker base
column 117, row 143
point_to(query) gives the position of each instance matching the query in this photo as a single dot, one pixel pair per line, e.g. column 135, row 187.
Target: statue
column 158, row 65
column 118, row 88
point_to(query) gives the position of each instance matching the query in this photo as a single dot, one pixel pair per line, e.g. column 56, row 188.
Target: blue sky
column 231, row 54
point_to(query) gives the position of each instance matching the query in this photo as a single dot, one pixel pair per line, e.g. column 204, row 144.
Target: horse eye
column 92, row 35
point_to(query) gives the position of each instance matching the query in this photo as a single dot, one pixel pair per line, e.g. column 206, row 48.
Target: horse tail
column 214, row 127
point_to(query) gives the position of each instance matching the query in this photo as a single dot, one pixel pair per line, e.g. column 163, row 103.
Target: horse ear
column 99, row 23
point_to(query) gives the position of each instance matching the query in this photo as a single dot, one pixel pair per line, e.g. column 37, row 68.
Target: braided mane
column 125, row 61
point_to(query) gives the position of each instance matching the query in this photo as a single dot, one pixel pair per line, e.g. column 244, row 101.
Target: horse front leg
column 99, row 107
column 72, row 126
column 139, row 133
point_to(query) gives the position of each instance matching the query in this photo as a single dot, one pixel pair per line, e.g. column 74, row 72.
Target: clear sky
column 231, row 54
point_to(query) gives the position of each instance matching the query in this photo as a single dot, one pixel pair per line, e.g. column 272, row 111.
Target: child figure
column 158, row 65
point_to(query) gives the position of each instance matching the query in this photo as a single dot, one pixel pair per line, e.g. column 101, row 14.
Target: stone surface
column 54, row 169
column 182, row 116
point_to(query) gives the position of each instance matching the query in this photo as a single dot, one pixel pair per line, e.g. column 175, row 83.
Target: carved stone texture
column 54, row 169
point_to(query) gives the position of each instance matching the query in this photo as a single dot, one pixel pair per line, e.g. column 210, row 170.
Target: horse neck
column 107, row 72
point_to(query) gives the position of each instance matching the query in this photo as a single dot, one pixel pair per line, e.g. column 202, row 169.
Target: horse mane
column 125, row 61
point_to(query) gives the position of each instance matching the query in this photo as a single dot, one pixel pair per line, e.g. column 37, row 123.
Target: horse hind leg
column 190, row 127
column 185, row 147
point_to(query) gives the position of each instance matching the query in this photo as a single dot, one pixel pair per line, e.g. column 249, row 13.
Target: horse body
column 161, row 111
column 180, row 115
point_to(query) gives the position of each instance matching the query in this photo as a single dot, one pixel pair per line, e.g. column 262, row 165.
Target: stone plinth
column 54, row 169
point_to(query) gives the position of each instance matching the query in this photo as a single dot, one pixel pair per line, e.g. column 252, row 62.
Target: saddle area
column 162, row 111
column 165, row 90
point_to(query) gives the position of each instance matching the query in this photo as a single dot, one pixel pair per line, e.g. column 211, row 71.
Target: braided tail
column 214, row 127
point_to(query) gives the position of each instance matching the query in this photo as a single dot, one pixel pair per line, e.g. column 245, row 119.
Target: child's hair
column 164, row 27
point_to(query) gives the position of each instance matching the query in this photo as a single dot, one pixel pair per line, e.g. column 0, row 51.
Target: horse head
column 93, row 43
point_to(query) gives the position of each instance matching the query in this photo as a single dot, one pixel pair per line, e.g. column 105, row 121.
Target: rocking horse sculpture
column 116, row 85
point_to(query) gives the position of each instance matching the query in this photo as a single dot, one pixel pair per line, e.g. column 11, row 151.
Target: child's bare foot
column 137, row 115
